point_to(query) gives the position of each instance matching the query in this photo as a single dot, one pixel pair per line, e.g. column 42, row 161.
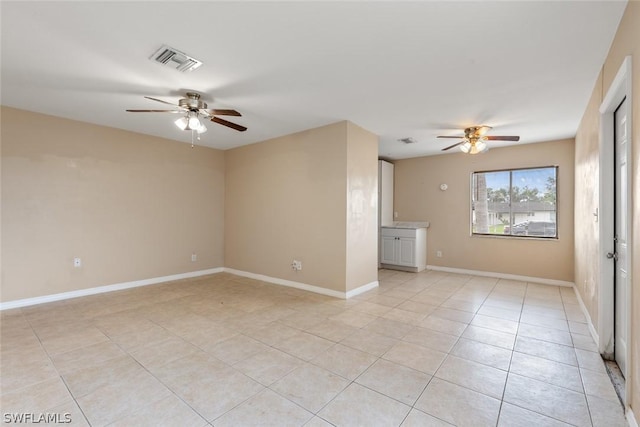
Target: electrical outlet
column 77, row 262
column 439, row 254
column 395, row 214
column 194, row 257
column 296, row 265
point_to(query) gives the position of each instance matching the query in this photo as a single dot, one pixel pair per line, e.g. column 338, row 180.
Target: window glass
column 518, row 202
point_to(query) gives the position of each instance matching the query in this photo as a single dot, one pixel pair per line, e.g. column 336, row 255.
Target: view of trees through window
column 517, row 202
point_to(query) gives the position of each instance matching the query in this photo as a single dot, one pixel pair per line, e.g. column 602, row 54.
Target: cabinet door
column 407, row 252
column 389, row 250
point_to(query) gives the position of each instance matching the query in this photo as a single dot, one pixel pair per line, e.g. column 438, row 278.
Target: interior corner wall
column 362, row 207
column 626, row 42
column 417, row 197
column 131, row 206
column 286, row 199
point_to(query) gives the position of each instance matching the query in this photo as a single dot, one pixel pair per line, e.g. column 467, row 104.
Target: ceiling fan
column 193, row 108
column 473, row 141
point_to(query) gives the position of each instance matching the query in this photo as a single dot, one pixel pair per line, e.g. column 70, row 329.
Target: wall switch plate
column 77, row 262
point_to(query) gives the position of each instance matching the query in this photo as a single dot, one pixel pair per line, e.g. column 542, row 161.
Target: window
column 516, row 202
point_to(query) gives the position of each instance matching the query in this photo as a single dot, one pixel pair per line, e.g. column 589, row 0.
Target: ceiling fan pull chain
column 192, row 132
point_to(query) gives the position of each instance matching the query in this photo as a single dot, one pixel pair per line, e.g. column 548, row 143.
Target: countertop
column 408, row 224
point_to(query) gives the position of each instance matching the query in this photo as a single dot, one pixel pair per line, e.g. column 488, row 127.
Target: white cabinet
column 399, row 251
column 404, row 248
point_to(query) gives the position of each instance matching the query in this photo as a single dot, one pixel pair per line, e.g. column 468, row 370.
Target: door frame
column 619, row 90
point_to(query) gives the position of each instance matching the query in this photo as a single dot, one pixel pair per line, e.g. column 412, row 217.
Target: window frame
column 510, row 213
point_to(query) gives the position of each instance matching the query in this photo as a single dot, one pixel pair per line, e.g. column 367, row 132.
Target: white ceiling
column 398, row 69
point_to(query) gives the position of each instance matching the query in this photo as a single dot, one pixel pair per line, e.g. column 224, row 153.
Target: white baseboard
column 102, row 289
column 631, row 418
column 304, row 286
column 362, row 289
column 530, row 279
column 289, row 283
column 136, row 283
column 592, row 329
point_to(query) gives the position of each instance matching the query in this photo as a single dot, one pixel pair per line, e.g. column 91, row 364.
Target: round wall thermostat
column 444, row 187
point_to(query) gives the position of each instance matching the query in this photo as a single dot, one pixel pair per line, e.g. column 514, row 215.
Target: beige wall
column 131, row 206
column 286, row 199
column 362, row 207
column 136, row 207
column 587, row 246
column 626, row 42
column 310, row 196
column 417, row 197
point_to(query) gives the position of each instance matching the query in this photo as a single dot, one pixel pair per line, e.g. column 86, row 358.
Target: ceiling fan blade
column 502, row 138
column 221, row 112
column 454, row 145
column 164, row 102
column 456, row 137
column 155, row 111
column 226, row 123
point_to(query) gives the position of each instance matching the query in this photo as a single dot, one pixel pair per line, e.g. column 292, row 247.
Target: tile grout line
column 60, row 377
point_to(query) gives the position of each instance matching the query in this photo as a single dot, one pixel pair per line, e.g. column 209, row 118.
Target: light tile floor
column 427, row 349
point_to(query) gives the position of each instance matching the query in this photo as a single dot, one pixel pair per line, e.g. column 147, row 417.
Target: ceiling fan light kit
column 474, row 147
column 191, row 122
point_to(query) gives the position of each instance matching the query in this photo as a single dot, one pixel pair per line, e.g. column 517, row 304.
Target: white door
column 621, row 235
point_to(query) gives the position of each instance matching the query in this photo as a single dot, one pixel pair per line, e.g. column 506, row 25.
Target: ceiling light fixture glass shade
column 466, row 147
column 191, row 122
column 182, row 123
column 194, row 123
column 474, row 146
column 201, row 129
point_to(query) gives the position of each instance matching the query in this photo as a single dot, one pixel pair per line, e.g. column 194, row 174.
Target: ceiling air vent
column 408, row 140
column 174, row 58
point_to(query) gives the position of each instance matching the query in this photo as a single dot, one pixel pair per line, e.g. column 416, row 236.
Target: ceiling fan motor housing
column 192, row 102
column 476, row 131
